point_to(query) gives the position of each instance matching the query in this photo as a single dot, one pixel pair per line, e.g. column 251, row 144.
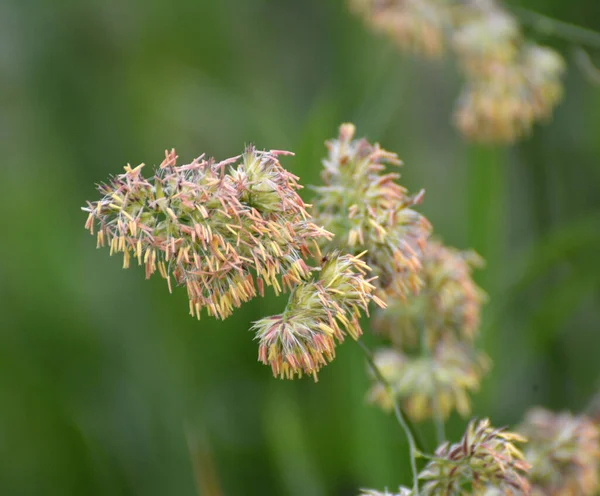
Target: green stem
column 560, row 29
column 440, row 426
column 402, row 420
column 438, row 418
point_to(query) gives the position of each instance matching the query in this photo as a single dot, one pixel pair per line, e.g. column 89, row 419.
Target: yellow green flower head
column 319, row 313
column 222, row 229
column 485, row 458
column 368, row 210
column 564, row 451
column 424, row 383
column 503, row 106
column 510, row 83
column 495, row 110
column 543, row 68
column 448, row 304
column 484, row 38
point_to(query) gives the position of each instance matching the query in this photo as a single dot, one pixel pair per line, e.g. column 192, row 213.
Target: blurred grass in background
column 108, row 387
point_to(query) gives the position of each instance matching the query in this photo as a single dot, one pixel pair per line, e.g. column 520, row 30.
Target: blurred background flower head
column 564, row 452
column 447, row 306
column 442, row 380
column 508, row 85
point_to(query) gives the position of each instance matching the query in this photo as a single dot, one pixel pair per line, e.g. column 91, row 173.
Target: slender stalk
column 402, row 420
column 438, row 418
column 586, row 65
column 560, row 29
column 440, row 425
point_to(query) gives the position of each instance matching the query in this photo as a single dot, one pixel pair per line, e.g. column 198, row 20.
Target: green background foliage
column 107, row 386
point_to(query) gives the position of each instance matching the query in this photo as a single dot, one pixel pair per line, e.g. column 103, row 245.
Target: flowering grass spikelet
column 423, row 383
column 222, row 229
column 485, row 457
column 484, row 38
column 366, row 209
column 564, row 451
column 414, row 25
column 319, row 313
column 504, row 105
column 543, row 69
column 510, row 82
column 448, row 305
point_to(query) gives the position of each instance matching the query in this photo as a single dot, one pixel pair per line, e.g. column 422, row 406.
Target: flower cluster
column 367, row 210
column 432, row 363
column 424, row 383
column 327, row 308
column 223, row 229
column 448, row 305
column 415, row 25
column 433, row 304
column 510, row 82
column 485, row 36
column 564, row 451
column 227, row 229
column 484, row 457
column 486, row 461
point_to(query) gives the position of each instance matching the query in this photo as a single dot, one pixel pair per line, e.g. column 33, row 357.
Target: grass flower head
column 415, row 25
column 564, row 451
column 448, row 305
column 485, row 457
column 319, row 313
column 368, row 210
column 424, row 383
column 222, row 229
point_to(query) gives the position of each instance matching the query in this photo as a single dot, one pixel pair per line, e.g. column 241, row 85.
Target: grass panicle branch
column 228, row 229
